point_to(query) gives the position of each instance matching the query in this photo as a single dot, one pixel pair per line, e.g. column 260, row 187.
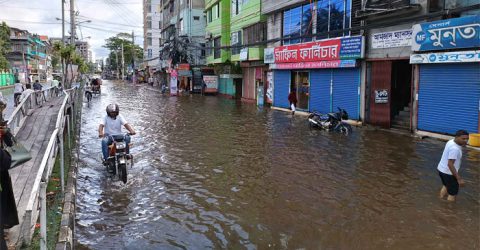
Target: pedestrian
column 8, row 206
column 450, row 164
column 292, row 98
column 17, row 92
column 28, row 90
column 37, row 86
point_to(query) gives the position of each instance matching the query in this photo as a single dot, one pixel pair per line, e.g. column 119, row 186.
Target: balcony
column 378, row 9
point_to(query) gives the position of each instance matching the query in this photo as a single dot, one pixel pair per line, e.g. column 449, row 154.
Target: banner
column 324, row 50
column 447, row 57
column 463, row 32
column 269, row 93
column 316, row 65
column 211, row 84
column 173, row 82
column 392, row 39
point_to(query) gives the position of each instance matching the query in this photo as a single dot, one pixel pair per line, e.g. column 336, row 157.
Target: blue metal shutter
column 346, row 83
column 281, row 88
column 448, row 97
column 320, row 90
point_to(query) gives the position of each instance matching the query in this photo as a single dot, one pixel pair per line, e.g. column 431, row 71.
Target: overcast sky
column 108, row 17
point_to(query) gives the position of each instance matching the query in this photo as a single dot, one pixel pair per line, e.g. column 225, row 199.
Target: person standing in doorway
column 450, row 164
column 292, row 99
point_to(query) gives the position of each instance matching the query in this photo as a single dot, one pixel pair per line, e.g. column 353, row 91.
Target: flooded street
column 213, row 173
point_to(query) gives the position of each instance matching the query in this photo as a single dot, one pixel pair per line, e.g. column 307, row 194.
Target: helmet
column 113, row 110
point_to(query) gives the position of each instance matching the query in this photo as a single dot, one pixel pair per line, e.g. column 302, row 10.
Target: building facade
column 314, row 51
column 151, row 33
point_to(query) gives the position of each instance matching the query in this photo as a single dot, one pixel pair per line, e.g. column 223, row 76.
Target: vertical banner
column 269, row 93
column 173, row 82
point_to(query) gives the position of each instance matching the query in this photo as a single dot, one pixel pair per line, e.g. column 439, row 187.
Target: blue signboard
column 463, row 32
column 351, row 47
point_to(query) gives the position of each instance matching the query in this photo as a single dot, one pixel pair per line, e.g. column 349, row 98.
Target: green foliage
column 4, row 45
column 114, row 44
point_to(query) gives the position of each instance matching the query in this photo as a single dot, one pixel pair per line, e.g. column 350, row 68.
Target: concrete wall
column 269, row 6
column 274, row 28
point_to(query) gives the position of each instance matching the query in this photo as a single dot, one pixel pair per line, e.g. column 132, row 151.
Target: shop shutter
column 346, row 83
column 320, row 90
column 281, row 88
column 449, row 97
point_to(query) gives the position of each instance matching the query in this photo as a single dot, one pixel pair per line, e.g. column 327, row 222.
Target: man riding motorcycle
column 112, row 125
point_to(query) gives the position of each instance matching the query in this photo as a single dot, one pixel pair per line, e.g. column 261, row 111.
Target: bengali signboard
column 447, row 57
column 463, row 32
column 316, row 65
column 323, row 50
column 244, row 54
column 392, row 39
column 211, row 84
column 269, row 55
column 381, row 96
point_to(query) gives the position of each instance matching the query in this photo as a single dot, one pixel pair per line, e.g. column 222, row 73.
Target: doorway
column 300, row 82
column 238, row 88
column 401, row 94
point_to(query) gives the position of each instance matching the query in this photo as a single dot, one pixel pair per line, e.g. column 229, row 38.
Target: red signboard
column 183, row 66
column 316, row 65
column 324, row 50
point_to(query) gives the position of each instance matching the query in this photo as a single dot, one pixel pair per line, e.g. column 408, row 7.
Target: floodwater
column 214, row 173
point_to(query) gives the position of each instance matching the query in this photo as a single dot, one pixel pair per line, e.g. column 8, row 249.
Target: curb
column 7, row 87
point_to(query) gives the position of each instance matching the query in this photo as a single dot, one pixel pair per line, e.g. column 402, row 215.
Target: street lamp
column 76, row 24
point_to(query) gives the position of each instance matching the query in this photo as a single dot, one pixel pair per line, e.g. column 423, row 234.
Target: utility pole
column 63, row 41
column 116, row 61
column 123, row 64
column 133, row 56
column 72, row 22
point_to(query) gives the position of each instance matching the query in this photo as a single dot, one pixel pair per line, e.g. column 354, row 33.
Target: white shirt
column 452, row 151
column 113, row 127
column 18, row 88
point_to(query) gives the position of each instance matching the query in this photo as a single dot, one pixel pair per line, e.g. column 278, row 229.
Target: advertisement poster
column 211, row 83
column 173, row 82
column 269, row 93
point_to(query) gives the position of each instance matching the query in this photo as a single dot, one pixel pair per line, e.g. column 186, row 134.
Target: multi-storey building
column 151, row 33
column 82, row 48
column 419, row 55
column 183, row 41
column 313, row 52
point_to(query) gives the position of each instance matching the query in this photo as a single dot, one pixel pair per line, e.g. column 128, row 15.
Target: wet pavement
column 214, row 173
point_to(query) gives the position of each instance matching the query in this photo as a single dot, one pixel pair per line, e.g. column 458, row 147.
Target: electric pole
column 63, row 41
column 72, row 22
column 123, row 64
column 133, row 56
column 116, row 62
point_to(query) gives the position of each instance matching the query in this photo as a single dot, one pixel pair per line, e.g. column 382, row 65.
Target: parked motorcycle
column 118, row 158
column 331, row 121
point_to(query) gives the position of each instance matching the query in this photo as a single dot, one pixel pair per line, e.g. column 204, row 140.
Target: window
column 216, row 45
column 218, row 10
column 149, row 24
column 172, row 6
column 202, row 52
column 181, row 25
column 209, row 50
column 297, row 22
column 255, row 33
column 333, row 15
column 236, row 7
column 209, row 15
column 148, row 7
column 149, row 53
column 196, row 18
column 236, row 39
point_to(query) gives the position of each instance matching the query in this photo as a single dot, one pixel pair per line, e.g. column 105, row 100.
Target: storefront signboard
column 323, row 50
column 316, row 65
column 269, row 55
column 447, row 57
column 463, row 32
column 392, row 39
column 211, row 83
column 381, row 96
column 183, row 66
column 244, row 54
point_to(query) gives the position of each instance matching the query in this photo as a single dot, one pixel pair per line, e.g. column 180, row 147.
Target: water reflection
column 212, row 173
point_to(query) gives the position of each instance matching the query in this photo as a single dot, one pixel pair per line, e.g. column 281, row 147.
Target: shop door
column 346, row 91
column 320, row 90
column 449, row 97
column 381, row 76
column 238, row 88
column 281, row 88
column 300, row 82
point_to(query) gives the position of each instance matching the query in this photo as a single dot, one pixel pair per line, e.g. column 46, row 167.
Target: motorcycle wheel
column 344, row 128
column 122, row 172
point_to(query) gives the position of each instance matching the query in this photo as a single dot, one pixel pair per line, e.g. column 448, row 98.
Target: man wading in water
column 450, row 164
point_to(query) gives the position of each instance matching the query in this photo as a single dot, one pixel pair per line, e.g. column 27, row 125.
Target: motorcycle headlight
column 121, row 145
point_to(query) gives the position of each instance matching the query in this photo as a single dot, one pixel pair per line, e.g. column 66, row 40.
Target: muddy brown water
column 213, row 173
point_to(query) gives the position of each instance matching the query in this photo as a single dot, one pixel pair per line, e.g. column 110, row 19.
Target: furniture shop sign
column 323, row 50
column 381, row 96
column 463, row 32
column 316, row 65
column 211, row 83
column 447, row 57
column 399, row 38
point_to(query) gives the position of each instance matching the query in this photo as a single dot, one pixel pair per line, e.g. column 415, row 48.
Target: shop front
column 325, row 75
column 254, row 82
column 448, row 82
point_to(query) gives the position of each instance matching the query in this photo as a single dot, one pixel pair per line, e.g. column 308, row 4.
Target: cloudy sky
column 108, row 17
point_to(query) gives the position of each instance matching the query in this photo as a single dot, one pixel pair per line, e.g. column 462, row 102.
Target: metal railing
column 37, row 202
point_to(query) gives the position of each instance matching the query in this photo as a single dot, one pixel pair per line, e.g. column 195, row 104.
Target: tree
column 4, row 45
column 114, row 44
column 69, row 55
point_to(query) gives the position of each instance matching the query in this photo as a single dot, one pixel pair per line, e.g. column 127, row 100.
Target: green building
column 240, row 68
